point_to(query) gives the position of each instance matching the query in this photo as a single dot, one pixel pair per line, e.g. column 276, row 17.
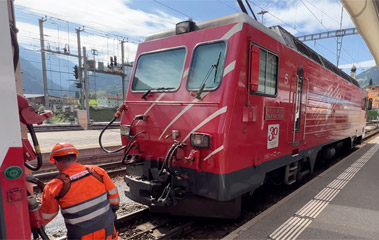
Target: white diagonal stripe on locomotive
column 181, row 113
column 229, row 68
column 152, row 105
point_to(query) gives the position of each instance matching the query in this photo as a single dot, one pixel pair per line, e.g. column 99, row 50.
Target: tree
column 41, row 109
column 370, row 83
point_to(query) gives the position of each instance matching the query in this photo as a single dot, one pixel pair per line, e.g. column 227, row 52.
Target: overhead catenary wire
column 288, row 25
column 233, row 8
column 323, row 12
column 173, row 9
column 325, row 27
column 75, row 25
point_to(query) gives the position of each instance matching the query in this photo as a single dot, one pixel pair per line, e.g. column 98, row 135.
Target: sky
column 107, row 22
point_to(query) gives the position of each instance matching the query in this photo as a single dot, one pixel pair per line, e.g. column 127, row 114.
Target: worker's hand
column 33, row 179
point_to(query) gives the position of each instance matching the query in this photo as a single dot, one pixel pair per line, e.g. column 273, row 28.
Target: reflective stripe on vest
column 47, row 216
column 113, row 191
column 114, row 200
column 88, row 216
column 85, row 205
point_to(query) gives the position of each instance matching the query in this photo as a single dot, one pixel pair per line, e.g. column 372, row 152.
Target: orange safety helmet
column 62, row 149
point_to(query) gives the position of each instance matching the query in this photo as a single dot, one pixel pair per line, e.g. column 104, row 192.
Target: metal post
column 339, row 40
column 263, row 12
column 86, row 86
column 123, row 70
column 80, row 66
column 44, row 75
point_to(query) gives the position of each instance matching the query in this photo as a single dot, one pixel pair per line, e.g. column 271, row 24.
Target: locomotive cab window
column 206, row 67
column 159, row 70
column 263, row 71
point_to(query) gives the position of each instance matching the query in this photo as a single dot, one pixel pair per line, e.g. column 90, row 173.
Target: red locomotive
column 216, row 108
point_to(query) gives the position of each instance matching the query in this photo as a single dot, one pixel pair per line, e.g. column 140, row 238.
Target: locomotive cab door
column 298, row 110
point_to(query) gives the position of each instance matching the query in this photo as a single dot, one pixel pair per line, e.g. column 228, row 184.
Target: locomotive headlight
column 125, row 130
column 200, row 140
column 185, row 27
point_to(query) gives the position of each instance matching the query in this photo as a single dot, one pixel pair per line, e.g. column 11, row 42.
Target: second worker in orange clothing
column 87, row 196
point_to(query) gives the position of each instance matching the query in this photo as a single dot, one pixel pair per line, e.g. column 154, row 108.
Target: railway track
column 111, row 168
column 72, row 127
column 145, row 225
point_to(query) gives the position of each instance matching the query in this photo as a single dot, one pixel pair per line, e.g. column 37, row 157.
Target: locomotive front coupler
column 175, row 187
column 158, row 184
column 148, row 187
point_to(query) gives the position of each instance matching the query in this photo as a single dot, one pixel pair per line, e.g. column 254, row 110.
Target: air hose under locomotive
column 164, row 189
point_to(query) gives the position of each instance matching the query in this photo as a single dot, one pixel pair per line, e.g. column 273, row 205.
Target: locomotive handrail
column 306, row 109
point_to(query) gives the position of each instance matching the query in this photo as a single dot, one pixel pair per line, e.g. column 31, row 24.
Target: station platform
column 341, row 203
column 84, row 139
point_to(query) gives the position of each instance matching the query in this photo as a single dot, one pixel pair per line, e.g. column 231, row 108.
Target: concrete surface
column 80, row 139
column 341, row 203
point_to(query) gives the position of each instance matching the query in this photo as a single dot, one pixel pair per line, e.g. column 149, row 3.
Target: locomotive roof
column 294, row 43
column 234, row 18
column 276, row 32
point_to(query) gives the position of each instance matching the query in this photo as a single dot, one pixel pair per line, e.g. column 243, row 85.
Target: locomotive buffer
column 341, row 203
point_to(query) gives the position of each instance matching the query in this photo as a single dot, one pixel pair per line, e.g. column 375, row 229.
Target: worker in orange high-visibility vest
column 87, row 196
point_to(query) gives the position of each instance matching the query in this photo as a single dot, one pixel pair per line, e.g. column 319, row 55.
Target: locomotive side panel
column 330, row 110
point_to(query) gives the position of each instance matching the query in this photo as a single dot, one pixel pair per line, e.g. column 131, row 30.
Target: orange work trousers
column 101, row 235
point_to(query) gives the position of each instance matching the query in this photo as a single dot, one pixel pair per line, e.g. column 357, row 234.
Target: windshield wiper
column 213, row 66
column 157, row 89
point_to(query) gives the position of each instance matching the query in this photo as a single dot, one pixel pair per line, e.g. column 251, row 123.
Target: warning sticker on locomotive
column 273, row 136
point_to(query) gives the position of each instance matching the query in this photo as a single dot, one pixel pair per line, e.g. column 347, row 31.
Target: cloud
column 110, row 16
column 364, row 64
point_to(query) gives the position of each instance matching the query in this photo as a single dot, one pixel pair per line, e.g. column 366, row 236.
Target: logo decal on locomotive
column 273, row 136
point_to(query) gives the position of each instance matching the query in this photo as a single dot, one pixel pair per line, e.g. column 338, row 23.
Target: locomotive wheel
column 276, row 177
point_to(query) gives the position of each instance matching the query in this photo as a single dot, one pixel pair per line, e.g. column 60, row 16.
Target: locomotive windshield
column 159, row 70
column 206, row 67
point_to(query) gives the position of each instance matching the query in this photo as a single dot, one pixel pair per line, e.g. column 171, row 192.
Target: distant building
column 109, row 101
column 55, row 103
column 35, row 100
column 373, row 93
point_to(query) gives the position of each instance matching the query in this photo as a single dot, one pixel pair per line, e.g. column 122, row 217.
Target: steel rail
column 51, row 174
column 130, row 218
column 180, row 231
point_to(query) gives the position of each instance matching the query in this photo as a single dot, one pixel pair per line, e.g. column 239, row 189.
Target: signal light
column 78, row 85
column 76, row 73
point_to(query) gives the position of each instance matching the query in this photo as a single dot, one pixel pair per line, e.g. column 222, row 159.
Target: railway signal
column 76, row 73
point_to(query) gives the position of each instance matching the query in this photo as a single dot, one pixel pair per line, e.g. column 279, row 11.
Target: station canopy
column 365, row 15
